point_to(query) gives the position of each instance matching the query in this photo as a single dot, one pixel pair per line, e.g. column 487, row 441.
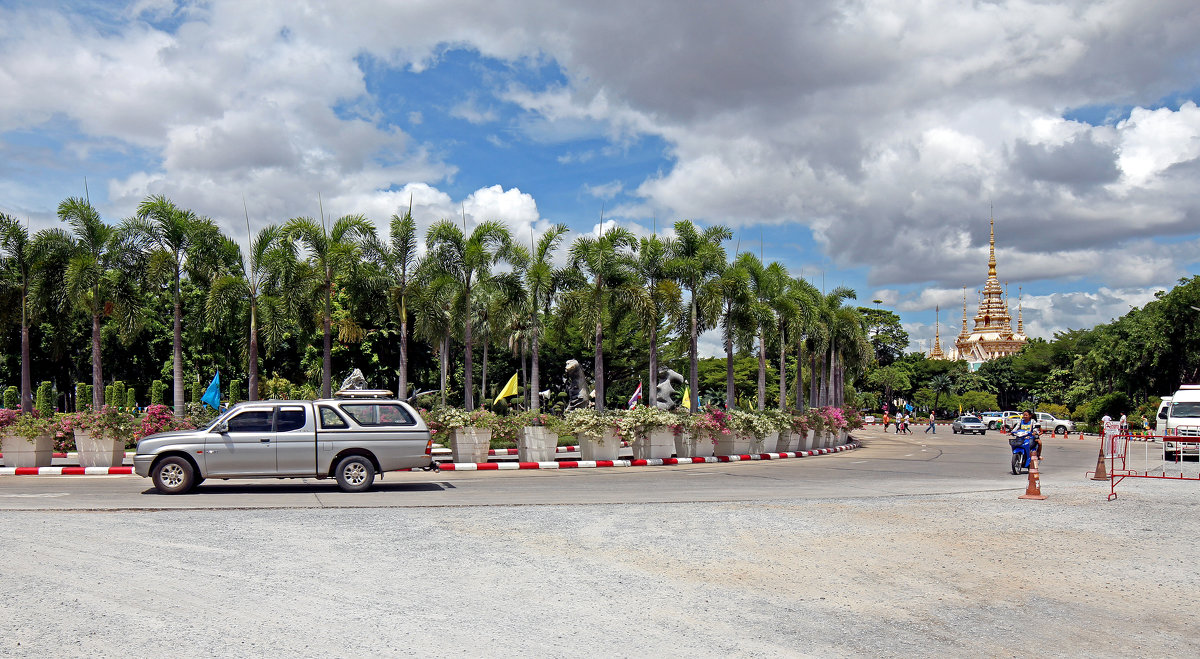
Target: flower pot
column 605, row 447
column 768, row 444
column 98, row 451
column 658, row 443
column 732, row 444
column 787, row 441
column 470, row 444
column 21, row 452
column 536, row 444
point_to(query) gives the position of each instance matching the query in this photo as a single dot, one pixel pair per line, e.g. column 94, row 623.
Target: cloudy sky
column 858, row 142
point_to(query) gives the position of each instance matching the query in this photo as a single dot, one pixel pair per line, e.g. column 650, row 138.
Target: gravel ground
column 969, row 574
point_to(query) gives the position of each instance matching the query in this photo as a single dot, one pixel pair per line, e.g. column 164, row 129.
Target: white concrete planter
column 606, row 447
column 658, row 443
column 693, row 445
column 98, row 452
column 843, row 437
column 470, row 444
column 768, row 444
column 683, row 445
column 732, row 444
column 21, row 452
column 536, row 444
column 787, row 442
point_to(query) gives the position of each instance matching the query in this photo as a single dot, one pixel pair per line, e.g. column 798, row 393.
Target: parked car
column 1045, row 422
column 968, row 424
column 349, row 439
column 992, row 420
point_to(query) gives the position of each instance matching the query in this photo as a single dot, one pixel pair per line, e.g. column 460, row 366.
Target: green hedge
column 45, row 399
column 12, row 398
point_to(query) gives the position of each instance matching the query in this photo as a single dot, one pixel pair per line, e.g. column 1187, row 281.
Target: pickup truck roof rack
column 363, row 393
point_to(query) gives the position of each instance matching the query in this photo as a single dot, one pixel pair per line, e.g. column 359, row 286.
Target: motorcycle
column 1022, row 450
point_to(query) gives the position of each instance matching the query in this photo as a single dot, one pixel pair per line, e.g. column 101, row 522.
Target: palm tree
column 939, row 384
column 731, row 291
column 18, row 273
column 663, row 297
column 433, row 311
column 175, row 238
column 806, row 298
column 766, row 285
column 398, row 261
column 255, row 280
column 96, row 278
column 542, row 281
column 694, row 259
column 468, row 260
column 334, row 257
column 609, row 266
column 784, row 306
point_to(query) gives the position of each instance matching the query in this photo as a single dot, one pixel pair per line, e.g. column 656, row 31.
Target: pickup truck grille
column 1186, row 431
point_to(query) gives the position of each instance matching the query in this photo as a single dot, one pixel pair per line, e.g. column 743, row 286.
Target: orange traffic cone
column 1034, row 489
column 1101, row 473
column 1052, row 435
column 1081, row 435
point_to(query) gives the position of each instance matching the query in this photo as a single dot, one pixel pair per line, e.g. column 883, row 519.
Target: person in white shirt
column 1124, row 424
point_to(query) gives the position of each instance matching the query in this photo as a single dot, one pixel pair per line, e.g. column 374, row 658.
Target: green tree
column 731, row 290
column 695, row 257
column 664, row 300
column 398, row 261
column 542, row 281
column 467, row 260
column 334, row 256
column 887, row 335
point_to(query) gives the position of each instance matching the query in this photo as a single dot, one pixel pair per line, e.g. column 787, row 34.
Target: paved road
column 909, row 545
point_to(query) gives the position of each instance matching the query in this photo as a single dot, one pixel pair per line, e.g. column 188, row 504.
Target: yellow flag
column 687, row 397
column 509, row 389
column 960, row 409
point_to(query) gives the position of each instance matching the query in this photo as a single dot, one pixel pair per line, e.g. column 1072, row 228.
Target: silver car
column 350, row 440
column 968, row 424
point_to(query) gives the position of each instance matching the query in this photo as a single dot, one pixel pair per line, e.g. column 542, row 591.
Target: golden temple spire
column 992, row 249
column 937, row 353
column 1020, row 320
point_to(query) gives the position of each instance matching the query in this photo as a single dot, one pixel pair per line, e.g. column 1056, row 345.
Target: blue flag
column 212, row 395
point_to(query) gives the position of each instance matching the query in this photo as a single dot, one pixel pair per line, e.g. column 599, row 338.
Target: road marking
column 34, row 496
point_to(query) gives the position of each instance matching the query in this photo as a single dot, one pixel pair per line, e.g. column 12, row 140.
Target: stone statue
column 355, row 381
column 666, row 389
column 577, row 389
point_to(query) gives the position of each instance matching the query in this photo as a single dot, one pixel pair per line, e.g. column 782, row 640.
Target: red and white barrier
column 593, row 464
column 65, row 471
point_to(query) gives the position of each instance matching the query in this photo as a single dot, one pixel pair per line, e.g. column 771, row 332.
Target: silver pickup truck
column 350, row 439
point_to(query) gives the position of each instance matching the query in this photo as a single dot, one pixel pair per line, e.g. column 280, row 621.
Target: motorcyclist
column 1027, row 424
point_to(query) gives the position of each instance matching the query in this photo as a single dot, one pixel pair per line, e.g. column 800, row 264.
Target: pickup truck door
column 247, row 447
column 296, row 440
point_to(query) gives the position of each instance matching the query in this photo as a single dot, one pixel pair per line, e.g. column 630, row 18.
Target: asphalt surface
column 912, row 544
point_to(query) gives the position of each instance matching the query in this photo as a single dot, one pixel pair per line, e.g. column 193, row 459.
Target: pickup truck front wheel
column 354, row 473
column 173, row 475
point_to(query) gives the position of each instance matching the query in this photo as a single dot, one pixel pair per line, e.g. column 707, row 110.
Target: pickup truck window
column 289, row 419
column 330, row 419
column 251, row 421
column 378, row 414
column 1186, row 409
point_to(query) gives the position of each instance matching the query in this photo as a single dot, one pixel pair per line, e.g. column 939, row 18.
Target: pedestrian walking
column 1124, row 424
column 886, row 420
column 931, row 427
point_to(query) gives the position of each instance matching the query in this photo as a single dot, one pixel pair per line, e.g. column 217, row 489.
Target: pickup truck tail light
column 429, row 447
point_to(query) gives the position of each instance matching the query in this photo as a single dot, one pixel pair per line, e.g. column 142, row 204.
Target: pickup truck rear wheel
column 173, row 475
column 355, row 473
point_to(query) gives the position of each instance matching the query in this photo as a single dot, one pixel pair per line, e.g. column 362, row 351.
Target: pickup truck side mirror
column 221, row 428
column 1162, row 414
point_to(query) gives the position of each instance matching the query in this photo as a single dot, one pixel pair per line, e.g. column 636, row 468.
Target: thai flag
column 637, row 396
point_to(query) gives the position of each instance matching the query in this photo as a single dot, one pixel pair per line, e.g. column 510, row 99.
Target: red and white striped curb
column 65, row 471
column 592, row 464
column 73, row 454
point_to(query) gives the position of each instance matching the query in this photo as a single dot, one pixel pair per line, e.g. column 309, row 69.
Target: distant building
column 993, row 335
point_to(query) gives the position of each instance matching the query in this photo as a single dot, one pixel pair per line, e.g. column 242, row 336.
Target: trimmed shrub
column 235, row 391
column 197, row 392
column 12, row 398
column 83, row 396
column 108, row 394
column 157, row 388
column 45, row 399
column 130, row 399
column 89, row 391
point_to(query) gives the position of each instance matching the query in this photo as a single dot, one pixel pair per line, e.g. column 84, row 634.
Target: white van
column 1179, row 416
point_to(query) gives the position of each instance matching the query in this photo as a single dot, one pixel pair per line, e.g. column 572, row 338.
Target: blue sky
column 859, row 144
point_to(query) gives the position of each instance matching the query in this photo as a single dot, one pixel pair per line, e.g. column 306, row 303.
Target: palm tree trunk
column 97, row 373
column 599, row 367
column 468, row 357
column 402, row 387
column 524, row 375
column 694, row 362
column 535, row 400
column 814, row 378
column 829, row 380
column 652, row 382
column 782, row 372
column 483, row 380
column 252, row 394
column 730, row 394
column 177, row 365
column 800, row 373
column 26, row 385
column 445, row 355
column 327, row 359
column 762, row 370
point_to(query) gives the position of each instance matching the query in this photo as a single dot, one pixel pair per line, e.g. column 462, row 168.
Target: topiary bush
column 45, row 400
column 235, row 391
column 130, row 399
column 12, row 398
column 83, row 396
column 157, row 389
